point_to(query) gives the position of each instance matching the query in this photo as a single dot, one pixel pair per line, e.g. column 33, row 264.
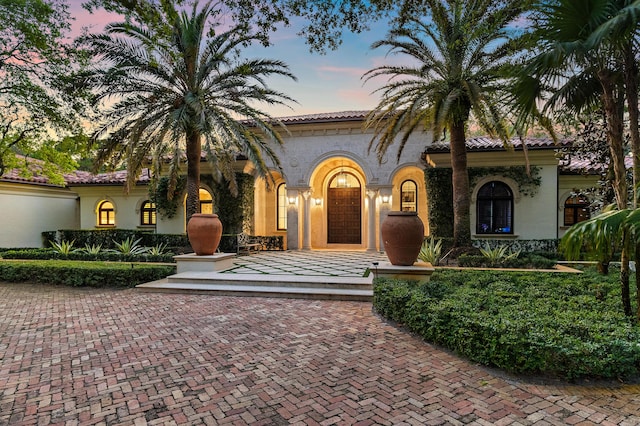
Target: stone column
column 371, row 242
column 306, row 239
column 385, row 207
column 293, row 242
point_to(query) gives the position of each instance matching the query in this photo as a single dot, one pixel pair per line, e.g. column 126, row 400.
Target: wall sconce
column 385, row 199
column 292, row 200
column 317, row 201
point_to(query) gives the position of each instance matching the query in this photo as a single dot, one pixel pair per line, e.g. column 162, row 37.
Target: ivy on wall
column 527, row 185
column 236, row 213
column 440, row 191
column 166, row 206
column 440, row 201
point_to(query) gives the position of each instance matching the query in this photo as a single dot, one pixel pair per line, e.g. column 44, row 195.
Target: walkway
column 84, row 356
column 308, row 263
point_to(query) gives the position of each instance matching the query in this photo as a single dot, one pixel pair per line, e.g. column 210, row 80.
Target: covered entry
column 344, row 210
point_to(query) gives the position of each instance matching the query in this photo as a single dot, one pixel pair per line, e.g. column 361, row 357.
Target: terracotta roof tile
column 325, row 117
column 479, row 144
column 77, row 177
column 112, row 178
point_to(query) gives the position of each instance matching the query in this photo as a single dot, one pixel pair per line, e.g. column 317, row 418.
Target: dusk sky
column 326, row 83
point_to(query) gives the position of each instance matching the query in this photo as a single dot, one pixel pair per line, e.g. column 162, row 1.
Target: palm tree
column 620, row 30
column 583, row 70
column 179, row 87
column 460, row 50
column 601, row 236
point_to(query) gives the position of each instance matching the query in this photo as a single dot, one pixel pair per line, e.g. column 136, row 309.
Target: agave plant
column 157, row 250
column 431, row 251
column 498, row 254
column 129, row 246
column 64, row 247
column 92, row 249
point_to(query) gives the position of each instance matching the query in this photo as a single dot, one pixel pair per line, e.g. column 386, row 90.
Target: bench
column 246, row 243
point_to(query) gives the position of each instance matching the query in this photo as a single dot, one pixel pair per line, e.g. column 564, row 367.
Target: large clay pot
column 204, row 232
column 402, row 236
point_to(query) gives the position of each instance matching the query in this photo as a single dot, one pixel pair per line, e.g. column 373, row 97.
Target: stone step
column 266, row 285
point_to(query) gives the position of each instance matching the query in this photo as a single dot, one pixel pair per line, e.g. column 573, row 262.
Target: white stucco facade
column 319, row 152
column 30, row 209
column 313, row 154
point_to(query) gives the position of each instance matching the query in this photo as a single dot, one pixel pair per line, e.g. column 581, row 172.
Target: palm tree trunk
column 631, row 92
column 613, row 108
column 194, row 150
column 460, row 183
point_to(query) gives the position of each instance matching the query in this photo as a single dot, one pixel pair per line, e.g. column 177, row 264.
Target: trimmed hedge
column 562, row 325
column 82, row 274
column 104, row 256
column 528, row 261
column 107, row 238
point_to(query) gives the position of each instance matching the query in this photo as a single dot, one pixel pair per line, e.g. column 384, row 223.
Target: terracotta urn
column 402, row 236
column 204, row 232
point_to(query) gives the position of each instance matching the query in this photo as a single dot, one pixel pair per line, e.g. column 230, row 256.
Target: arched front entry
column 344, row 210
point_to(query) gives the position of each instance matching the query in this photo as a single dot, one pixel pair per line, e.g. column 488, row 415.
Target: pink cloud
column 351, row 71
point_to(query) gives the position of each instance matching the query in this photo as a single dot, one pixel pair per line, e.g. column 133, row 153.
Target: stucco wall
column 314, row 152
column 28, row 210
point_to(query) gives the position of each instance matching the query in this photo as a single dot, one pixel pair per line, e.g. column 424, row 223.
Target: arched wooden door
column 344, row 210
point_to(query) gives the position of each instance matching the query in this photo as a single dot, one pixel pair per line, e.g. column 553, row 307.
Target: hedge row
column 108, row 237
column 562, row 325
column 529, row 261
column 82, row 274
column 104, row 256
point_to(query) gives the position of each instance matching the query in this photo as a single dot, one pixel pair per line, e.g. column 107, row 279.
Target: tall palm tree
column 460, row 49
column 621, row 30
column 580, row 72
column 178, row 88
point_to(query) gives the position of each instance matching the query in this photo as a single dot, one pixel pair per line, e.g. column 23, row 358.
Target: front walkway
column 86, row 356
column 308, row 263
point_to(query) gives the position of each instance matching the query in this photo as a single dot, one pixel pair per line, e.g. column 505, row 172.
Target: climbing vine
column 440, row 191
column 527, row 185
column 167, row 204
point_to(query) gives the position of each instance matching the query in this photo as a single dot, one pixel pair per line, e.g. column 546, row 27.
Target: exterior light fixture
column 385, row 199
column 317, row 201
column 292, row 200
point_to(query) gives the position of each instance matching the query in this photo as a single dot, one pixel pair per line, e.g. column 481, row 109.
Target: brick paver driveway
column 79, row 356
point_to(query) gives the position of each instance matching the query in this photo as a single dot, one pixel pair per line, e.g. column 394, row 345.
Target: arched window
column 344, row 180
column 206, row 202
column 495, row 209
column 409, row 196
column 576, row 209
column 148, row 213
column 281, row 207
column 106, row 214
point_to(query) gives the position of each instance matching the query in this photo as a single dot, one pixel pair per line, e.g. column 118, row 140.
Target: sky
column 330, row 82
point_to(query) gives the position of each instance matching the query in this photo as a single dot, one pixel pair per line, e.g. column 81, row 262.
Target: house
column 331, row 193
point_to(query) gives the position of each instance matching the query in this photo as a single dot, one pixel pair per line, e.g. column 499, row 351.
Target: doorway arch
column 344, row 209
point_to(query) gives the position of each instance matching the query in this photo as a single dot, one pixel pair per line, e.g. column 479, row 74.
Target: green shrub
column 81, row 254
column 86, row 274
column 107, row 238
column 530, row 261
column 562, row 325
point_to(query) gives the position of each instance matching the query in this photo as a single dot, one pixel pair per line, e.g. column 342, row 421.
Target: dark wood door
column 344, row 216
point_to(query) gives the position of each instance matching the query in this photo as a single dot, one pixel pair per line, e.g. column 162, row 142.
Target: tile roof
column 480, row 144
column 111, row 178
column 325, row 117
column 77, row 177
column 584, row 166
